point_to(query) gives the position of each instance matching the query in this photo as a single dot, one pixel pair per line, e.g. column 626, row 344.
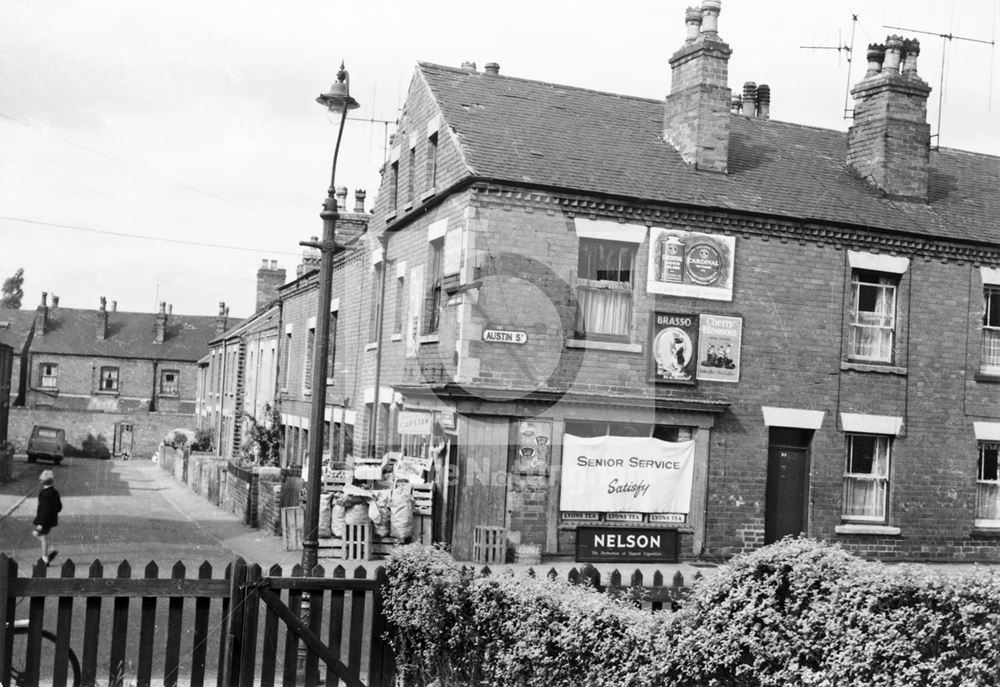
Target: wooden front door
column 787, row 484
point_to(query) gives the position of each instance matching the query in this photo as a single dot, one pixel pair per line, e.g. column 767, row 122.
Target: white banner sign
column 626, row 475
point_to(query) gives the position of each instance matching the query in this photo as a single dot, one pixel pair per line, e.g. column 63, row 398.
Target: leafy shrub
column 179, row 439
column 204, row 439
column 264, row 437
column 797, row 612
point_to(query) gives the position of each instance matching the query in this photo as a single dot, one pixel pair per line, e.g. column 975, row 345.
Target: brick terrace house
column 266, row 360
column 789, row 329
column 816, row 312
column 113, row 380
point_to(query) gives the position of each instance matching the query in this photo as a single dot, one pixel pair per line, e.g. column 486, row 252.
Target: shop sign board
column 673, row 347
column 719, row 345
column 690, row 264
column 613, row 474
column 626, row 545
column 415, row 422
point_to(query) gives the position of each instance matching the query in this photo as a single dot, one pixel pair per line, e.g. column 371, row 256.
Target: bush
column 797, row 612
column 204, row 439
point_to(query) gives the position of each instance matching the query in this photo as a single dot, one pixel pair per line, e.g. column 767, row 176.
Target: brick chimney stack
column 311, row 256
column 222, row 319
column 269, row 279
column 697, row 110
column 43, row 314
column 102, row 320
column 888, row 144
column 161, row 324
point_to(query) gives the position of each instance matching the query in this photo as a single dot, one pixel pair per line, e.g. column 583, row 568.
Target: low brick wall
column 6, row 465
column 241, row 495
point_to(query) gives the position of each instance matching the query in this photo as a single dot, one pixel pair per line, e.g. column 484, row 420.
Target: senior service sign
column 626, row 475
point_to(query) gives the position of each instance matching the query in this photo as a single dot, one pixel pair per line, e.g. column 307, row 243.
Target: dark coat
column 49, row 505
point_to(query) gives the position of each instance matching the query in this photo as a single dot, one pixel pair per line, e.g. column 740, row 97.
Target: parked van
column 46, row 442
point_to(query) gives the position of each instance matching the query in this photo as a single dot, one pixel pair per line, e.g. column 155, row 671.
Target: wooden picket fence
column 248, row 627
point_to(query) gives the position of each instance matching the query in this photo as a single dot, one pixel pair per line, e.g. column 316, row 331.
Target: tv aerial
column 849, row 51
column 945, row 39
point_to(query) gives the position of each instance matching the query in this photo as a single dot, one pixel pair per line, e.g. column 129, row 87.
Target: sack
column 401, row 508
column 337, row 520
column 323, row 527
column 383, row 527
column 356, row 514
column 373, row 513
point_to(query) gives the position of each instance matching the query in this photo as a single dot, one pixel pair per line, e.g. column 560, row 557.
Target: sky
column 158, row 152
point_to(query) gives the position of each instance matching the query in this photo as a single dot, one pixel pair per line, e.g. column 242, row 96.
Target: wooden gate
column 245, row 628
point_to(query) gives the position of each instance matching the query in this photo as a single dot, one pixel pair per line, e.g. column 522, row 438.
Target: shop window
column 605, row 272
column 988, row 483
column 432, row 302
column 866, row 478
column 109, row 379
column 991, row 330
column 873, row 315
column 587, row 428
column 48, row 375
column 169, row 382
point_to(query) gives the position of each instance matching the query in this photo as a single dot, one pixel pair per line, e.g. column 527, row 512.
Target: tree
column 12, row 292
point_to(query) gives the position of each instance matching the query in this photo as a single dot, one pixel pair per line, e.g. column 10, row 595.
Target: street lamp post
column 338, row 100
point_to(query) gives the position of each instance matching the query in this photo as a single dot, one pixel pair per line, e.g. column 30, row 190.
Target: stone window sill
column 373, row 346
column 990, row 376
column 868, row 367
column 396, row 337
column 428, row 194
column 429, row 338
column 604, row 345
column 858, row 528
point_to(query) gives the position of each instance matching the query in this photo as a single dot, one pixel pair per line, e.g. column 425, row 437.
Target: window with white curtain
column 991, row 329
column 604, row 288
column 988, row 482
column 866, row 478
column 873, row 315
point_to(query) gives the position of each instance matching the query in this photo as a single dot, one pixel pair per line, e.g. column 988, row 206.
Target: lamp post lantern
column 338, row 100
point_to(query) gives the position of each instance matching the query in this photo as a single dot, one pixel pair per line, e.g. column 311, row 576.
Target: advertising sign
column 626, row 475
column 534, row 446
column 626, row 545
column 415, row 307
column 690, row 264
column 673, row 347
column 719, row 342
column 414, row 422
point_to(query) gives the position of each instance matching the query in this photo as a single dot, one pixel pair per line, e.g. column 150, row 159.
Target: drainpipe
column 384, row 242
column 153, row 398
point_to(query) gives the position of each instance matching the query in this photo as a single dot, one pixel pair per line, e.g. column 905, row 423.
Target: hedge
column 798, row 612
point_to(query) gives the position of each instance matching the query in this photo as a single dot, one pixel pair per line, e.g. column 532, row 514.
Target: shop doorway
column 787, row 496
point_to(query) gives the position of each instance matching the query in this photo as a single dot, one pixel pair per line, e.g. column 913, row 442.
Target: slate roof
column 530, row 132
column 15, row 327
column 73, row 331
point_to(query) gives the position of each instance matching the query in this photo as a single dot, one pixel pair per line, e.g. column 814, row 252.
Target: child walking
column 47, row 514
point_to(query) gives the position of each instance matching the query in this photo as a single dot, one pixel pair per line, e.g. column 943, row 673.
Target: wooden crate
column 489, row 545
column 291, row 527
column 423, row 499
column 357, row 543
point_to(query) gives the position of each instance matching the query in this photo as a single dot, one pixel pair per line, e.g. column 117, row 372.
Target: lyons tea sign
column 612, row 474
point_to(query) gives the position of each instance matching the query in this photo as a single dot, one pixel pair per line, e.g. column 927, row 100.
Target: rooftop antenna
column 849, row 50
column 945, row 38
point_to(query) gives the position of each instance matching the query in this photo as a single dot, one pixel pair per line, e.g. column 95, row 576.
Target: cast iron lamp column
column 338, row 101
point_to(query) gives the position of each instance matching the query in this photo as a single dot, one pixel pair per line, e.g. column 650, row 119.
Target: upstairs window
column 48, row 376
column 286, row 358
column 393, row 185
column 109, row 379
column 605, row 273
column 866, row 478
column 873, row 315
column 988, row 483
column 435, row 277
column 991, row 329
column 169, row 382
column 373, row 308
column 432, row 160
column 411, row 177
column 307, row 371
column 331, row 351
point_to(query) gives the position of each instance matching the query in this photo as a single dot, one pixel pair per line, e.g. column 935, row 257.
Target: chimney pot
column 263, row 264
column 710, row 17
column 893, row 53
column 341, row 197
column 911, row 50
column 102, row 324
column 114, row 306
column 749, row 99
column 45, row 299
column 764, row 101
column 359, row 200
column 492, row 68
column 469, row 66
column 55, row 301
column 274, row 264
column 163, row 307
column 692, row 20
column 104, row 303
column 737, row 104
column 876, row 56
column 170, row 309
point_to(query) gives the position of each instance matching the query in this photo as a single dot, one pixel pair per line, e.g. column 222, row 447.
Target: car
column 46, row 442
